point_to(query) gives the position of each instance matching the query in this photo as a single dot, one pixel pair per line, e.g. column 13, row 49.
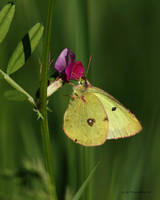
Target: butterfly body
column 94, row 116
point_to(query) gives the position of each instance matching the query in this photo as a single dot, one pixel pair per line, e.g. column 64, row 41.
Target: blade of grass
column 83, row 186
column 82, row 52
column 6, row 17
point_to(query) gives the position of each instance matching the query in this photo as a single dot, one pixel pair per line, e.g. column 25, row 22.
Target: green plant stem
column 17, row 87
column 43, row 98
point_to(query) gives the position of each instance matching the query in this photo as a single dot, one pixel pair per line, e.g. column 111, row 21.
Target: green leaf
column 14, row 95
column 6, row 16
column 25, row 48
column 17, row 87
column 83, row 186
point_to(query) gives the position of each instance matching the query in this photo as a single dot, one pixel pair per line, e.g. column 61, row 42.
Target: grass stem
column 82, row 53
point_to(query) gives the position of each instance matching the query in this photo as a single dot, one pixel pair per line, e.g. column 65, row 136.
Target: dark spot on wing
column 75, row 140
column 105, row 119
column 114, row 108
column 91, row 121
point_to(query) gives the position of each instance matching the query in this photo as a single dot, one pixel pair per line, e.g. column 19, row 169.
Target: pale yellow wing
column 122, row 123
column 86, row 121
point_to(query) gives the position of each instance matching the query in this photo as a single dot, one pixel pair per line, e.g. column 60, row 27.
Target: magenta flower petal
column 68, row 71
column 74, row 71
column 63, row 60
column 77, row 71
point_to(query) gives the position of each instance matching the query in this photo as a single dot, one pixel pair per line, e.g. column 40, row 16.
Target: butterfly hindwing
column 85, row 120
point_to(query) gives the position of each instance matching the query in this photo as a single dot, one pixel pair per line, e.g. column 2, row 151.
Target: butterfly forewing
column 122, row 123
column 86, row 121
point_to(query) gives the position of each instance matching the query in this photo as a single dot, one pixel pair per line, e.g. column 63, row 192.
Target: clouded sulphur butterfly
column 93, row 116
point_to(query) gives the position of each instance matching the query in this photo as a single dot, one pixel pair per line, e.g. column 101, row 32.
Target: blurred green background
column 123, row 39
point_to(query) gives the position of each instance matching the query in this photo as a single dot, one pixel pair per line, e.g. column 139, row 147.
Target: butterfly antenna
column 89, row 62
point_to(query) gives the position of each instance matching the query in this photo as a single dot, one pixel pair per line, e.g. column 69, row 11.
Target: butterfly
column 93, row 116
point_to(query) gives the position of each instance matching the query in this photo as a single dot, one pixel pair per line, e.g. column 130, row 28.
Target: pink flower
column 64, row 59
column 74, row 71
column 67, row 68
